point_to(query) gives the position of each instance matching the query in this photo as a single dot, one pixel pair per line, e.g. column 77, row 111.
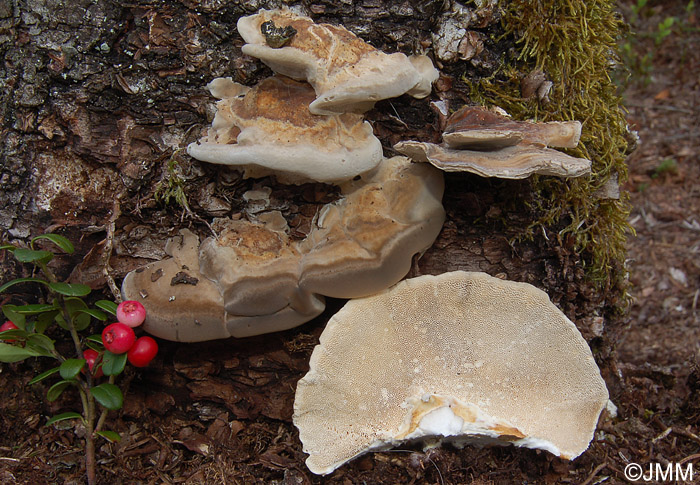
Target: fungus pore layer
column 461, row 356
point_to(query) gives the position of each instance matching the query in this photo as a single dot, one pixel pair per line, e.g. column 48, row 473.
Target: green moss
column 575, row 43
column 171, row 186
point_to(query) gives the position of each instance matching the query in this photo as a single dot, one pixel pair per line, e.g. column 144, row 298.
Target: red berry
column 118, row 338
column 131, row 313
column 143, row 352
column 8, row 325
column 91, row 357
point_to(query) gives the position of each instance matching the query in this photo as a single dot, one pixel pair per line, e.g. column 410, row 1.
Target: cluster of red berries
column 120, row 337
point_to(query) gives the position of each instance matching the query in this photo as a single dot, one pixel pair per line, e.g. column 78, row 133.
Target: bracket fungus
column 254, row 279
column 460, row 357
column 269, row 130
column 182, row 303
column 490, row 144
column 347, row 74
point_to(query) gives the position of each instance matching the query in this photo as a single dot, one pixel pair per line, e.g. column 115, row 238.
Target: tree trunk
column 99, row 96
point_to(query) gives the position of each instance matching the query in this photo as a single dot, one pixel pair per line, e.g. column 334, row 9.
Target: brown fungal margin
column 490, row 144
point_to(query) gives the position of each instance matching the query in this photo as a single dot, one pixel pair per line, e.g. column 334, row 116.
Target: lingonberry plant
column 95, row 356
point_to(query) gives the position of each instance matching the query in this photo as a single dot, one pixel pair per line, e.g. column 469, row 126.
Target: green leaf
column 113, row 364
column 93, row 313
column 59, row 241
column 7, row 246
column 108, row 395
column 108, row 306
column 13, row 353
column 16, row 314
column 22, row 280
column 71, row 367
column 73, row 304
column 97, row 338
column 44, row 375
column 74, row 307
column 94, row 342
column 61, row 321
column 41, row 344
column 70, row 289
column 56, row 390
column 13, row 315
column 112, row 436
column 24, row 255
column 35, row 308
column 44, row 320
column 81, row 322
column 63, row 417
column 13, row 334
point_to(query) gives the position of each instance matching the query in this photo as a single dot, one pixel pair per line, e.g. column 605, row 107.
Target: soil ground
column 188, row 435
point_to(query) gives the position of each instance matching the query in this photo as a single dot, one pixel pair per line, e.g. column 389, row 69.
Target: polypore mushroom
column 184, row 305
column 462, row 357
column 180, row 302
column 511, row 162
column 262, row 281
column 478, row 127
column 269, row 130
column 365, row 242
column 492, row 145
column 347, row 74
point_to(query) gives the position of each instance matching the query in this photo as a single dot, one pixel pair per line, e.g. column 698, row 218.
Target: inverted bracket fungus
column 269, row 130
column 254, row 279
column 461, row 357
column 492, row 145
column 347, row 74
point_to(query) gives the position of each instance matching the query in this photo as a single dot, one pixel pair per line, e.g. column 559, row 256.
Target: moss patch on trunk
column 574, row 43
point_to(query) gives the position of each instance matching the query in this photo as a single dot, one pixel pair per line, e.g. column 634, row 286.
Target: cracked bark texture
column 97, row 96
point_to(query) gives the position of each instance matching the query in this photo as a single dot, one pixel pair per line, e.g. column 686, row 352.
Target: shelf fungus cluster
column 490, row 144
column 305, row 124
column 347, row 74
column 460, row 357
column 269, row 130
column 253, row 278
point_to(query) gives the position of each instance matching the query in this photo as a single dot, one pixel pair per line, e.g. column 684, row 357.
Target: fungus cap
column 365, row 242
column 460, row 356
column 477, row 126
column 510, row 162
column 260, row 281
column 181, row 303
column 489, row 143
column 255, row 267
column 269, row 130
column 347, row 74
